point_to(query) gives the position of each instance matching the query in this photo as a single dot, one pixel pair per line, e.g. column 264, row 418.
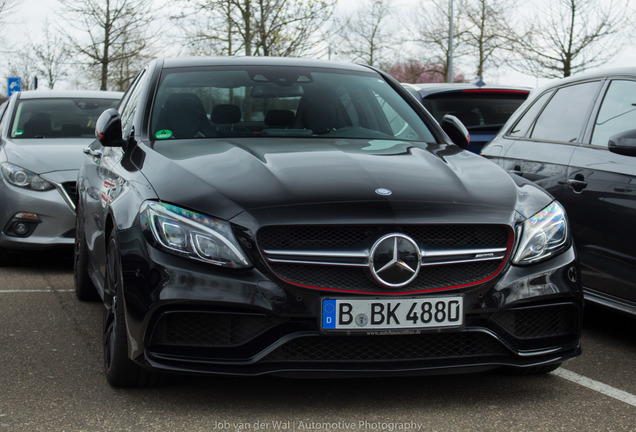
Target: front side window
column 129, row 105
column 282, row 102
column 522, row 127
column 58, row 118
column 565, row 116
column 617, row 113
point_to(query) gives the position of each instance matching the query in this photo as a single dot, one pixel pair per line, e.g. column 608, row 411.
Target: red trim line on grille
column 503, row 263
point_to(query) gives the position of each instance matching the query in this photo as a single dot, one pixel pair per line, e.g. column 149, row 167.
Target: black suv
column 576, row 137
column 267, row 215
column 482, row 109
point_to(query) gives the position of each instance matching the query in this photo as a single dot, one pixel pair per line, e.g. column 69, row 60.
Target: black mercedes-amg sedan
column 282, row 216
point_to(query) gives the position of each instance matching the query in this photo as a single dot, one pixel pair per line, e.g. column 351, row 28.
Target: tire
column 120, row 370
column 7, row 258
column 84, row 288
column 533, row 370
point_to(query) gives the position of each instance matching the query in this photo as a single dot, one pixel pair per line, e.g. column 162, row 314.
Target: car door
column 543, row 140
column 601, row 200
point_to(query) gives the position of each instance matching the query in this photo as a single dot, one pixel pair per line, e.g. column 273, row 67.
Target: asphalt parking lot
column 51, row 379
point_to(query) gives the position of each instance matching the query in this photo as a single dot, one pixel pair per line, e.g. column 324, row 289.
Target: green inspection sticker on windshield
column 18, row 132
column 163, row 134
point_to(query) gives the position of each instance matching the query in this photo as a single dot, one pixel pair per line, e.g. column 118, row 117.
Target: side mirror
column 456, row 131
column 623, row 143
column 108, row 128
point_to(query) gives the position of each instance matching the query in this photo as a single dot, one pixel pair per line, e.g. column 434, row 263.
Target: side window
column 3, row 110
column 565, row 116
column 617, row 113
column 521, row 128
column 129, row 105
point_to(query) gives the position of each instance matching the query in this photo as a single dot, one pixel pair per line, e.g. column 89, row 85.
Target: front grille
column 336, row 257
column 539, row 322
column 71, row 190
column 359, row 279
column 352, row 236
column 387, row 347
column 208, row 329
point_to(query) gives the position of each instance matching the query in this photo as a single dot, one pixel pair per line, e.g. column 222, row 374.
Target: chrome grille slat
column 429, row 257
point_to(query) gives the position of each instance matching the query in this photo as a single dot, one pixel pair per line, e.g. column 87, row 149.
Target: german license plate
column 392, row 314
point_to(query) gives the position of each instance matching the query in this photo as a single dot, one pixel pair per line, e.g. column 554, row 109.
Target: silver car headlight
column 193, row 235
column 543, row 235
column 21, row 177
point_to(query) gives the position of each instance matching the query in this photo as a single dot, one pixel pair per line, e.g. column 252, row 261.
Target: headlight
column 193, row 235
column 543, row 235
column 21, row 177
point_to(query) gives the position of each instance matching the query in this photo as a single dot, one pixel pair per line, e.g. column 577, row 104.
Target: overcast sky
column 30, row 15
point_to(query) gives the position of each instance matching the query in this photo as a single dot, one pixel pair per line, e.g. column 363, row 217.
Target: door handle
column 577, row 183
column 95, row 153
column 516, row 170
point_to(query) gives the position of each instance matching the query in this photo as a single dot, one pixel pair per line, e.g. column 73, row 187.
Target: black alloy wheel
column 120, row 370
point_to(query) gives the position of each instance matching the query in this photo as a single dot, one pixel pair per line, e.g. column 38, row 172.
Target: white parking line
column 605, row 389
column 47, row 290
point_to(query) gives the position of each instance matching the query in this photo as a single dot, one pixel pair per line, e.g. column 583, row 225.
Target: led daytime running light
column 195, row 235
column 543, row 234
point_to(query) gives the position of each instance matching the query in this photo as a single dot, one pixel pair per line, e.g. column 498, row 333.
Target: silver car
column 42, row 135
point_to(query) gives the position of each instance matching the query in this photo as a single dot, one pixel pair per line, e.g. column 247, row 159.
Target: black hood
column 259, row 175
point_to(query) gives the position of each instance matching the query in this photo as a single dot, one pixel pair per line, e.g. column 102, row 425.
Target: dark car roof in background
column 584, row 76
column 426, row 89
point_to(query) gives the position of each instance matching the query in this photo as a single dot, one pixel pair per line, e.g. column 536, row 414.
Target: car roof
column 75, row 94
column 585, row 76
column 259, row 61
column 427, row 89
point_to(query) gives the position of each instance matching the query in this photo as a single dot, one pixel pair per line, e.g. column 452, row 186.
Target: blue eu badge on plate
column 328, row 314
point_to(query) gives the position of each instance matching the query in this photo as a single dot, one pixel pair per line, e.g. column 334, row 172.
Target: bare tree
column 51, row 56
column 211, row 29
column 431, row 25
column 255, row 27
column 6, row 9
column 367, row 35
column 574, row 35
column 23, row 66
column 414, row 72
column 111, row 31
column 487, row 33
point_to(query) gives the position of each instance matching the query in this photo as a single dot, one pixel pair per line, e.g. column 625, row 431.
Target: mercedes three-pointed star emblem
column 395, row 260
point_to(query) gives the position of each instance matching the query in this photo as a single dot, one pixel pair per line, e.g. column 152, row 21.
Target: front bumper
column 185, row 316
column 51, row 221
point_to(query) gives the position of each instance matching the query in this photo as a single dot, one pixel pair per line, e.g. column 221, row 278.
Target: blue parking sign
column 14, row 84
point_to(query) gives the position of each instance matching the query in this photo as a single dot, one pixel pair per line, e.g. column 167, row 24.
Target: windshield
column 282, row 102
column 58, row 118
